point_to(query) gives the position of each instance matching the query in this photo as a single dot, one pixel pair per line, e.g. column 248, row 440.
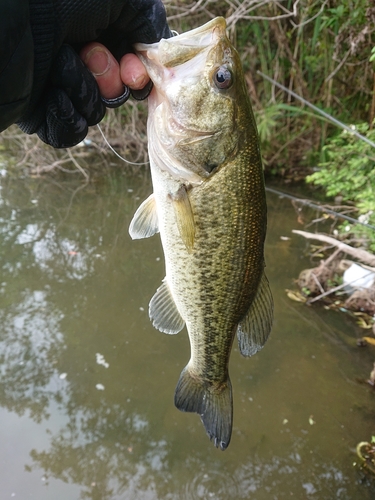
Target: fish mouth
column 215, row 25
column 195, row 37
column 171, row 52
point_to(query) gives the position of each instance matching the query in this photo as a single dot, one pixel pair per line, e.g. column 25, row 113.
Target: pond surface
column 87, row 384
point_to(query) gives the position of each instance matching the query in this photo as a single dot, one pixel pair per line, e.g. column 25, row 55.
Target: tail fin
column 214, row 405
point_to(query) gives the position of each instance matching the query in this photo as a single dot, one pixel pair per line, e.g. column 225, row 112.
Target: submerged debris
column 371, row 380
column 347, row 286
column 366, row 453
column 329, row 282
column 339, row 283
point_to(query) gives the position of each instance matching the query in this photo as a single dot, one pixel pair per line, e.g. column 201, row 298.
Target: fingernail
column 139, row 82
column 97, row 60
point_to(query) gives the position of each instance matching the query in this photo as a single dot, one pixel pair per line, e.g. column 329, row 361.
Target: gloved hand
column 65, row 98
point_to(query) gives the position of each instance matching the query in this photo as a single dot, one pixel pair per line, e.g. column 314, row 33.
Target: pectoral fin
column 254, row 329
column 163, row 311
column 145, row 220
column 184, row 217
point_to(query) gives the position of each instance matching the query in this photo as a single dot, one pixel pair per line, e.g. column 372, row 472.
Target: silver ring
column 117, row 101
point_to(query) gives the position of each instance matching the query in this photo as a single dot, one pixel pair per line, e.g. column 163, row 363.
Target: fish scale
column 209, row 206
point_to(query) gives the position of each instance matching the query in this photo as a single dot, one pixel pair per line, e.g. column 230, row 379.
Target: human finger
column 132, row 72
column 105, row 69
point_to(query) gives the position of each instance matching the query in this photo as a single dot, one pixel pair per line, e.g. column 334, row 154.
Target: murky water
column 87, row 384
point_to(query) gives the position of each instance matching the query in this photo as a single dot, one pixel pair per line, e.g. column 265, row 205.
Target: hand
column 110, row 75
column 65, row 97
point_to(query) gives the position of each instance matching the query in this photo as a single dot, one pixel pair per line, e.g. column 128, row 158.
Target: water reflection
column 79, row 357
column 30, row 341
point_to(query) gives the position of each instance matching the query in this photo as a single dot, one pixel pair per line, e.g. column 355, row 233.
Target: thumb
column 104, row 68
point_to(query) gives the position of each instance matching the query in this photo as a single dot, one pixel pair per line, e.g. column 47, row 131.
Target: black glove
column 65, row 98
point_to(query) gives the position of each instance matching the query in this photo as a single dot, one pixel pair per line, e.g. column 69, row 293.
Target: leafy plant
column 350, row 168
column 349, row 171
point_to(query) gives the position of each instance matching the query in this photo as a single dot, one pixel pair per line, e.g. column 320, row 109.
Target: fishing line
column 320, row 111
column 116, row 153
column 319, row 207
column 338, row 124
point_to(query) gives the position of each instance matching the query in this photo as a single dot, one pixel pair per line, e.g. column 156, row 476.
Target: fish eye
column 223, row 78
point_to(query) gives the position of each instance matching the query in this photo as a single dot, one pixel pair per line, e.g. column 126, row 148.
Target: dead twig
column 358, row 253
column 335, row 289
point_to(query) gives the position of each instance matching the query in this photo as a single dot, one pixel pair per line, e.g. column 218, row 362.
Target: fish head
column 194, row 108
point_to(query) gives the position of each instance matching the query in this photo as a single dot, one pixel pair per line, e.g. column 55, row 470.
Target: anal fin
column 163, row 311
column 254, row 329
column 145, row 220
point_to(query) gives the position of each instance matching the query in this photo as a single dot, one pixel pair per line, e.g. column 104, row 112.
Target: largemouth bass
column 209, row 206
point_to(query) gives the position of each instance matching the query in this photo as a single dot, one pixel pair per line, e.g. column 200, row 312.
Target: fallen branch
column 358, row 253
